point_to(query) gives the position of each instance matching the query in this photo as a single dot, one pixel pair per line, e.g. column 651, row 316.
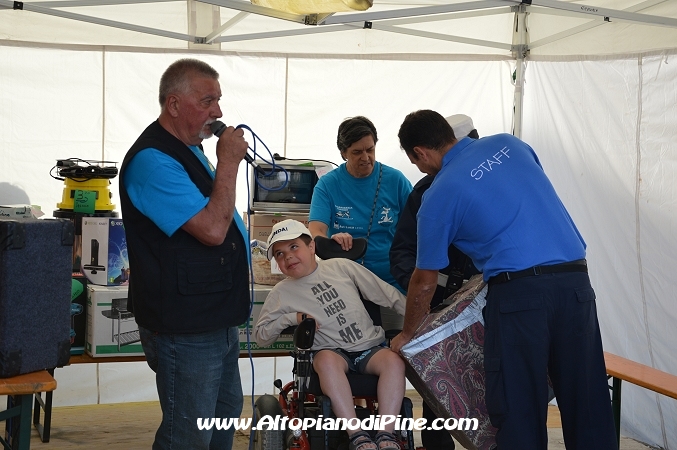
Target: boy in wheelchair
column 346, row 338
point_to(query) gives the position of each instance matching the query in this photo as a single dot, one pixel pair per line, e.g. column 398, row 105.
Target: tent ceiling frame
column 78, row 3
column 608, row 14
column 444, row 12
column 239, row 17
column 578, row 10
column 441, row 12
column 286, row 33
column 567, row 33
column 597, row 22
column 472, row 9
column 542, row 10
column 441, row 37
column 449, row 16
column 333, row 23
column 389, row 26
column 255, row 9
column 28, row 6
column 413, row 12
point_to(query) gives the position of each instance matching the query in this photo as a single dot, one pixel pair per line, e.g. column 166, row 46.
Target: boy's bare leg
column 331, row 368
column 389, row 367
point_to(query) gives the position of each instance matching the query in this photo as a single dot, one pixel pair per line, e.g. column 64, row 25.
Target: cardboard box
column 111, row 328
column 108, row 318
column 19, row 212
column 262, row 223
column 282, row 345
column 263, row 272
column 104, row 251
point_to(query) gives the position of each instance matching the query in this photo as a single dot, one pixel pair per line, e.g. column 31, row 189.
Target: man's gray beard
column 208, row 134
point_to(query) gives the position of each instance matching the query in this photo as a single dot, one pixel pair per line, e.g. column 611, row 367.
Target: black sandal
column 387, row 441
column 362, row 441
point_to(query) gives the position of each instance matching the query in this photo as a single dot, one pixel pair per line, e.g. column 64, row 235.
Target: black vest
column 177, row 284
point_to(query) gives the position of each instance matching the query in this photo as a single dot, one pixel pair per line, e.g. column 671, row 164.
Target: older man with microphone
column 188, row 250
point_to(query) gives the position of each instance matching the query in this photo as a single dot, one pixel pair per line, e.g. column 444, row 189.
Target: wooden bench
column 619, row 368
column 20, row 391
column 45, row 405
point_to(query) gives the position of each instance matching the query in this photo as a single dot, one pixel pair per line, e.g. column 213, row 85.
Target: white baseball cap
column 461, row 124
column 284, row 231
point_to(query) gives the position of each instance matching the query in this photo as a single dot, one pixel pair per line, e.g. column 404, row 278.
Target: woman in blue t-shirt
column 360, row 198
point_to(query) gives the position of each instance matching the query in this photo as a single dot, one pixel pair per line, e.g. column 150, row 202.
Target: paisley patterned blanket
column 445, row 363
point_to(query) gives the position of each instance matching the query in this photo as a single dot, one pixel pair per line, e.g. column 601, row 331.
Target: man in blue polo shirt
column 492, row 200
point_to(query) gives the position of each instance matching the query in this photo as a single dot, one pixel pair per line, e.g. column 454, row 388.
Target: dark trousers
column 540, row 325
column 434, row 439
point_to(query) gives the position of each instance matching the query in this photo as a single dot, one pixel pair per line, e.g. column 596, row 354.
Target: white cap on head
column 284, row 231
column 461, row 124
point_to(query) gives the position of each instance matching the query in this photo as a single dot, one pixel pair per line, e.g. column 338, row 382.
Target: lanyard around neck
column 373, row 208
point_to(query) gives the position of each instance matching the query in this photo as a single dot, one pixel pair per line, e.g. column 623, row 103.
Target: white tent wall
column 656, row 202
column 605, row 131
column 51, row 108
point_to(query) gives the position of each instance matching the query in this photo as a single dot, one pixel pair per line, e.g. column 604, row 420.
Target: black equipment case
column 36, row 261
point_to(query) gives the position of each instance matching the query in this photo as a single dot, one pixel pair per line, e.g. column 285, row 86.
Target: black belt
column 580, row 265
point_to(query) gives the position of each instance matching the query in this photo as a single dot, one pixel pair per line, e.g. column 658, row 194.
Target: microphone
column 218, row 128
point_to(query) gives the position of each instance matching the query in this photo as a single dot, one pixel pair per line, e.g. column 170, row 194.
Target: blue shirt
column 161, row 189
column 344, row 203
column 493, row 201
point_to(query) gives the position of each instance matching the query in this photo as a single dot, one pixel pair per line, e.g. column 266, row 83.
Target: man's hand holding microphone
column 231, row 147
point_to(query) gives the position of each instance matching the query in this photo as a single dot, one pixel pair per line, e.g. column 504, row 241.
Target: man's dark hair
column 177, row 76
column 425, row 128
column 305, row 238
column 352, row 130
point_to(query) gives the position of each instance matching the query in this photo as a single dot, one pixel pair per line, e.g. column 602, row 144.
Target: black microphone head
column 217, row 127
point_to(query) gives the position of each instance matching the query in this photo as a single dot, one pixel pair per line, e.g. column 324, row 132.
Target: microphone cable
column 274, row 169
column 252, row 298
column 252, row 292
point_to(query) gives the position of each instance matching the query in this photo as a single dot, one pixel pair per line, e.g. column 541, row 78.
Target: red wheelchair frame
column 295, row 403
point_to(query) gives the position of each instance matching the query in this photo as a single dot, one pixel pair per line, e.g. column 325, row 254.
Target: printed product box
column 282, row 345
column 111, row 328
column 262, row 223
column 104, row 251
column 78, row 313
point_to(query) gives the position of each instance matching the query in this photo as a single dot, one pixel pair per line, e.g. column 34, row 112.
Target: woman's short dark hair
column 352, row 130
column 177, row 76
column 425, row 128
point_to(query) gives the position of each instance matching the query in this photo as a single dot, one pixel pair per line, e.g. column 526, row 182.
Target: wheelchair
column 302, row 397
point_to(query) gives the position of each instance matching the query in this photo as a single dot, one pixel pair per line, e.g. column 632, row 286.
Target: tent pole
column 520, row 50
column 518, row 97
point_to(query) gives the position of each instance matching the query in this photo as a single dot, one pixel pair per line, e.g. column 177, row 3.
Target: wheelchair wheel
column 267, row 405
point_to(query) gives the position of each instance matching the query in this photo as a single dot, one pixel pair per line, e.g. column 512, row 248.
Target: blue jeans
column 197, row 376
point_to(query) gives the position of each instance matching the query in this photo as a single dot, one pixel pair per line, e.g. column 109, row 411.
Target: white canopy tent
column 591, row 86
